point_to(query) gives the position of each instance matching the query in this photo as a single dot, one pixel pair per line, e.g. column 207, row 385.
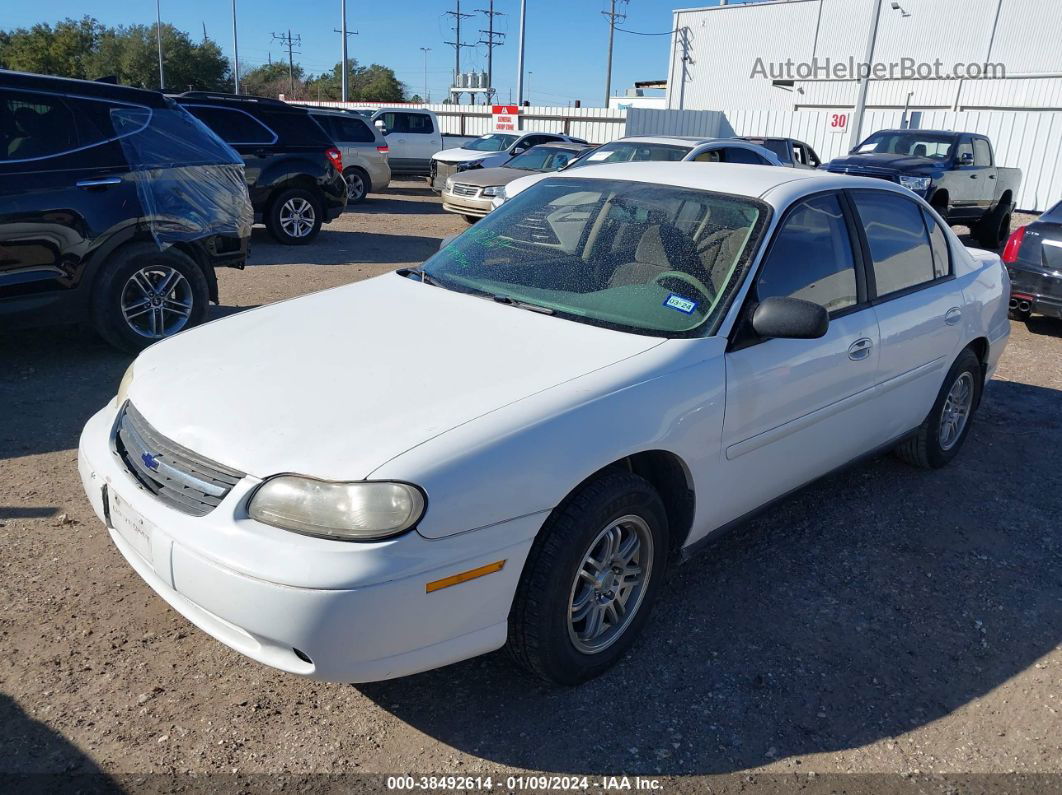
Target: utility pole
column 612, row 15
column 235, row 52
column 344, row 60
column 456, row 43
column 290, row 42
column 491, row 43
column 520, row 55
column 427, row 96
column 864, row 81
column 158, row 37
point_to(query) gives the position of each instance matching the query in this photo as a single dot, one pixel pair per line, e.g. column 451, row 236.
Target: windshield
column 915, row 144
column 653, row 259
column 541, row 158
column 494, row 142
column 628, row 151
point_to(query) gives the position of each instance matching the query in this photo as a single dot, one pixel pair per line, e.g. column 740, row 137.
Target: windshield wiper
column 420, row 274
column 510, row 301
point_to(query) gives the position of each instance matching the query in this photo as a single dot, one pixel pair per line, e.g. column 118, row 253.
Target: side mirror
column 519, row 150
column 790, row 318
column 966, row 159
column 447, row 240
column 379, row 124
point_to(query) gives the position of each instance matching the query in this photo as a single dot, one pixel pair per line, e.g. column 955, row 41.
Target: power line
column 457, row 44
column 287, row 40
column 491, row 41
column 639, row 33
column 612, row 15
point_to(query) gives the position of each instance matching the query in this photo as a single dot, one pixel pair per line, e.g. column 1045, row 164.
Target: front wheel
column 590, row 580
column 939, row 438
column 470, row 219
column 294, row 217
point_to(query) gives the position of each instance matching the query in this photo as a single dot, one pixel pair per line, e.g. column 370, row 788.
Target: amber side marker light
column 464, row 576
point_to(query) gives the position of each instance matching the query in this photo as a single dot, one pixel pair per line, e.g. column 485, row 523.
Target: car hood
column 524, row 182
column 487, row 177
column 898, row 164
column 461, row 155
column 337, row 383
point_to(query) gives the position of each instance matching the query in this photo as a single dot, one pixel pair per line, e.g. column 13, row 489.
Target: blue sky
column 566, row 39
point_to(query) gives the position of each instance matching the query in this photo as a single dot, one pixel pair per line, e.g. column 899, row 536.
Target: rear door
column 412, row 138
column 65, row 188
column 967, row 185
column 987, row 169
column 917, row 301
column 796, row 409
column 249, row 136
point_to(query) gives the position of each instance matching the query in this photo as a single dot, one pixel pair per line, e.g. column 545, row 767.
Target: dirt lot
column 884, row 620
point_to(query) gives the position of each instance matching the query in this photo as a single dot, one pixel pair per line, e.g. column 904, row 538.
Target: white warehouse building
column 714, row 52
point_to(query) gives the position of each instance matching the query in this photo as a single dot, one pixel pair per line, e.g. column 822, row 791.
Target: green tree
column 365, row 84
column 271, row 80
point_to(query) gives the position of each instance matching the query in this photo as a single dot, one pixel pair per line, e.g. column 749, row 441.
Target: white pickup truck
column 413, row 136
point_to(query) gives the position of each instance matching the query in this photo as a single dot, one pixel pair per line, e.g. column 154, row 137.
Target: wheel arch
column 303, row 181
column 980, row 348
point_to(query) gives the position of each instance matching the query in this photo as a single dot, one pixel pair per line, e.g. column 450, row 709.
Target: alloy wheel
column 610, row 584
column 297, row 217
column 355, row 186
column 157, row 301
column 956, row 411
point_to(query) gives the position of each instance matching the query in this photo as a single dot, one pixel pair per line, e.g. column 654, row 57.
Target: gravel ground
column 884, row 620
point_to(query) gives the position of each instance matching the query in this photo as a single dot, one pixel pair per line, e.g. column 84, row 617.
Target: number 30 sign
column 838, row 122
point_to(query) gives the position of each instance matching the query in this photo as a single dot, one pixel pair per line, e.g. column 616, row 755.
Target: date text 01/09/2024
column 523, row 783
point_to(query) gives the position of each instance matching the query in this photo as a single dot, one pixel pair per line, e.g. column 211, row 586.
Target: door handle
column 991, row 176
column 860, row 349
column 953, row 316
column 973, row 176
column 101, row 182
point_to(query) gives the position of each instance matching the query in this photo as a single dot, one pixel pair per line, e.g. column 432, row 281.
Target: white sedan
column 512, row 443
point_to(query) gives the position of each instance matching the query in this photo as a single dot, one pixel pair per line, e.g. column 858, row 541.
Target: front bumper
column 478, row 206
column 327, row 610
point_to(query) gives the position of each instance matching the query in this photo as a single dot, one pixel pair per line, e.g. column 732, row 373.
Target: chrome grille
column 174, row 474
column 440, row 171
column 866, row 172
column 470, row 191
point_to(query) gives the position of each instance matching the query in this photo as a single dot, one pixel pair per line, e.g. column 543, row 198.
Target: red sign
column 506, row 117
column 838, row 122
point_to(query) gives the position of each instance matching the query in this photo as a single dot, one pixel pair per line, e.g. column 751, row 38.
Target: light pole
column 426, row 50
column 864, row 80
column 158, row 38
column 520, row 55
column 343, row 35
column 529, row 73
column 235, row 52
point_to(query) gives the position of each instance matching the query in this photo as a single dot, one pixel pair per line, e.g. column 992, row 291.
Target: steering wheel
column 689, row 279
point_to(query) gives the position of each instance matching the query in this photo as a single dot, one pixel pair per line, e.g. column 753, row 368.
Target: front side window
column 233, row 126
column 652, row 259
column 899, row 244
column 811, row 257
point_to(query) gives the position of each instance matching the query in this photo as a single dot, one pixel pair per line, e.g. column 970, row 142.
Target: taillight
column 383, row 150
column 335, row 157
column 1010, row 251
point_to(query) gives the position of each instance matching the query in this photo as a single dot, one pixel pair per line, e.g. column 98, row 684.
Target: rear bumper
column 1039, row 288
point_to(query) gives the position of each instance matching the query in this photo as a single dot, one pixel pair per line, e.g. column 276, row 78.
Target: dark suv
column 294, row 170
column 115, row 208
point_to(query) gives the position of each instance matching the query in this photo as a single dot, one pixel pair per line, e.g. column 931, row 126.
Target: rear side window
column 811, row 257
column 938, row 241
column 352, row 131
column 735, row 154
column 900, row 251
column 233, row 126
column 37, row 125
column 982, row 152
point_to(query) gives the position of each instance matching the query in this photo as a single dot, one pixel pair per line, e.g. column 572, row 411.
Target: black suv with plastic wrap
column 294, row 170
column 116, row 206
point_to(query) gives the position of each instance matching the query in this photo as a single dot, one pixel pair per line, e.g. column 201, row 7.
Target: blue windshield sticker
column 680, row 304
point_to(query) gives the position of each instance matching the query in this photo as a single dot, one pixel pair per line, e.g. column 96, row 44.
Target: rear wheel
column 143, row 295
column 943, row 432
column 357, row 185
column 294, row 217
column 470, row 219
column 590, row 580
column 994, row 229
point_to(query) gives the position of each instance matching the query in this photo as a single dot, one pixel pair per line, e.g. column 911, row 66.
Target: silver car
column 364, row 149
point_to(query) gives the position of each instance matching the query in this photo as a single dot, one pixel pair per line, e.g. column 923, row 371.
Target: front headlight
column 917, row 184
column 492, row 191
column 123, row 387
column 449, row 183
column 355, row 511
column 471, row 164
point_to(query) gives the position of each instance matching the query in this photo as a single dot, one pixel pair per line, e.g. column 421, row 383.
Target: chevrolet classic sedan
column 511, row 444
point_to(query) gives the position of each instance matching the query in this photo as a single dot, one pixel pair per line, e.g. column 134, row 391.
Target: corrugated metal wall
column 715, row 49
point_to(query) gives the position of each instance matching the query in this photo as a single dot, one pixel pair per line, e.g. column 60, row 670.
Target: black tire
column 280, row 206
column 470, row 219
column 924, row 448
column 115, row 283
column 994, row 229
column 355, row 176
column 540, row 635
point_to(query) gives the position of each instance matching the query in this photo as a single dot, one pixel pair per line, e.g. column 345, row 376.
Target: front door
column 795, row 409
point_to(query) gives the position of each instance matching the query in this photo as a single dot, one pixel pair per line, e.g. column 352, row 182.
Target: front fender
column 524, row 458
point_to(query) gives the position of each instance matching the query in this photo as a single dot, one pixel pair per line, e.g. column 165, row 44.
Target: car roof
column 563, row 145
column 664, row 139
column 239, row 101
column 777, row 186
column 82, row 88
